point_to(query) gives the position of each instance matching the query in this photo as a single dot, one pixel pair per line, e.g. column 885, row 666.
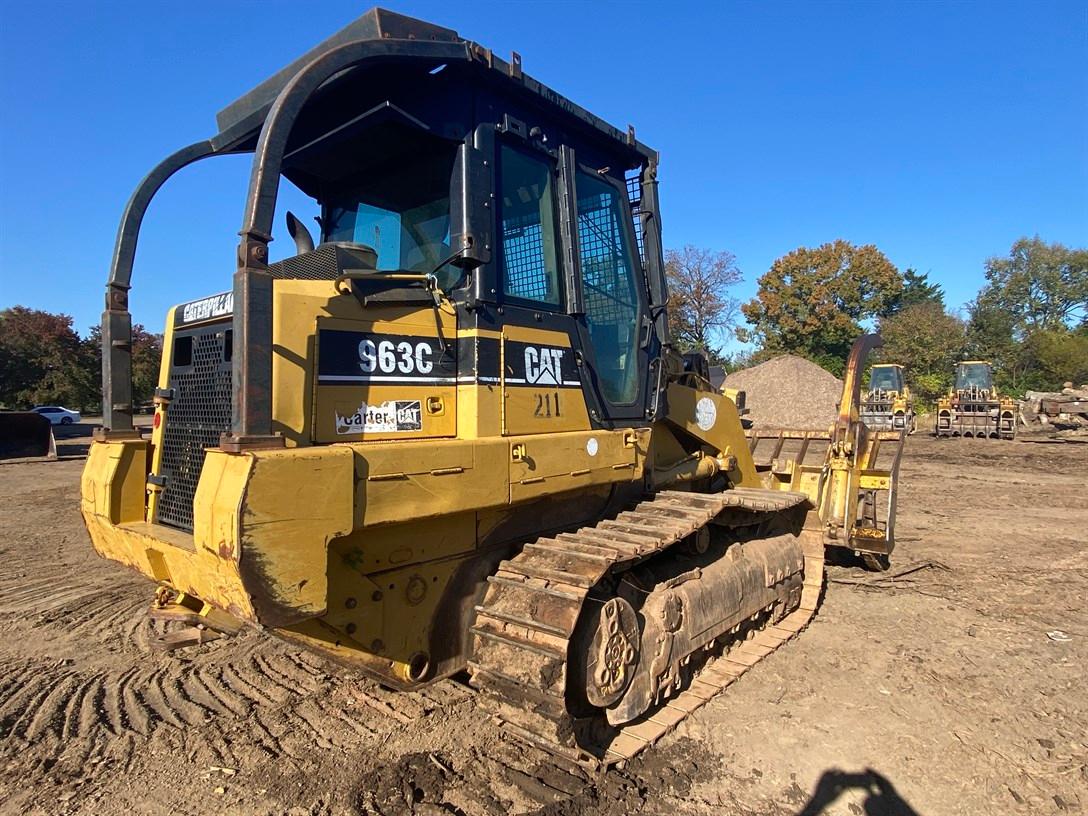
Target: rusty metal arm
column 252, row 356
column 848, row 426
column 116, row 319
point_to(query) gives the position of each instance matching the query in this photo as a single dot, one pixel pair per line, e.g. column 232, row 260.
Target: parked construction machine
column 973, row 408
column 888, row 404
column 26, row 434
column 451, row 432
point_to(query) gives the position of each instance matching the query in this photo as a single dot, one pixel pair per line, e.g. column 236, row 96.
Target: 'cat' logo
column 543, row 366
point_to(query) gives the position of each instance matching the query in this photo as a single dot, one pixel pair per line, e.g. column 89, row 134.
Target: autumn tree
column 701, row 309
column 812, row 301
column 44, row 361
column 41, row 359
column 927, row 342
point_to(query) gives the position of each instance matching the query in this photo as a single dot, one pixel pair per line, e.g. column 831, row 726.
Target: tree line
column 1030, row 317
column 44, row 361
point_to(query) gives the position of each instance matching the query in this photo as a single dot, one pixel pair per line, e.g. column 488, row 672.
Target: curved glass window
column 884, row 378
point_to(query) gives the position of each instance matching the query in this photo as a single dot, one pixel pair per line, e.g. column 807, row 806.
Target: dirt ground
column 957, row 687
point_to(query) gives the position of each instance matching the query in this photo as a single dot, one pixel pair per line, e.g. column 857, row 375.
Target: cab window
column 609, row 286
column 530, row 265
column 403, row 214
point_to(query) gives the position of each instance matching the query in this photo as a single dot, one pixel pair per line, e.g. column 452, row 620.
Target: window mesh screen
column 609, row 287
column 530, row 263
column 523, row 258
column 606, row 280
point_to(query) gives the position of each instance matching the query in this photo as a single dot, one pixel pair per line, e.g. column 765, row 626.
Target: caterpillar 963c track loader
column 888, row 404
column 452, row 432
column 974, row 408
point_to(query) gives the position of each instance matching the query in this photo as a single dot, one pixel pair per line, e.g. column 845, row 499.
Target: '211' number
column 547, row 405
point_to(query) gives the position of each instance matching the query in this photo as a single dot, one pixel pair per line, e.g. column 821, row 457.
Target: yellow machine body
column 888, row 403
column 375, row 550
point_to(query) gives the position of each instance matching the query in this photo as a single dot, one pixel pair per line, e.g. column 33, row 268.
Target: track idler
column 627, row 671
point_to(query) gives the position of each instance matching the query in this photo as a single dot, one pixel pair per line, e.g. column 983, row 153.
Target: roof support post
column 251, row 360
column 116, row 319
column 251, row 426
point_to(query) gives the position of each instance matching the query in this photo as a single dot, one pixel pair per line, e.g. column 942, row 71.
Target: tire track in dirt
column 250, row 688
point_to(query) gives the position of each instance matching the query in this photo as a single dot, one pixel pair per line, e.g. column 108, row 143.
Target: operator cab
column 886, row 378
column 476, row 230
column 974, row 375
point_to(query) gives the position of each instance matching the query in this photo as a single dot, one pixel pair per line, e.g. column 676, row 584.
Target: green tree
column 1040, row 285
column 1059, row 356
column 701, row 310
column 916, row 289
column 927, row 342
column 1023, row 318
column 991, row 335
column 812, row 301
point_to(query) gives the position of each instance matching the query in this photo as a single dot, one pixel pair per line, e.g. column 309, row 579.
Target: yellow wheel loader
column 888, row 404
column 974, row 408
column 451, row 432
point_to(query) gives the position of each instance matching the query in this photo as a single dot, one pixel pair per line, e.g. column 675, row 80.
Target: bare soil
column 931, row 689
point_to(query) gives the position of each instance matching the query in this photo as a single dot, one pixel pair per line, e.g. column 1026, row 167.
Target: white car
column 58, row 415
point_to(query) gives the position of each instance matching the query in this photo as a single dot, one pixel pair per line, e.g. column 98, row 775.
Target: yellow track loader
column 888, row 404
column 974, row 408
column 451, row 432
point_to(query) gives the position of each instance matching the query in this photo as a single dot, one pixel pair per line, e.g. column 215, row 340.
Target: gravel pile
column 789, row 392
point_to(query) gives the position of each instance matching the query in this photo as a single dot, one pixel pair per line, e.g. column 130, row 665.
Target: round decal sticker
column 706, row 413
column 591, row 446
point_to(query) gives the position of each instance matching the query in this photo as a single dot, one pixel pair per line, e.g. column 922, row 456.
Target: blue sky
column 941, row 132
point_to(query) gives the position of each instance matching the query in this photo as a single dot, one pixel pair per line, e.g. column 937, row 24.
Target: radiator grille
column 199, row 412
column 323, row 263
column 200, row 375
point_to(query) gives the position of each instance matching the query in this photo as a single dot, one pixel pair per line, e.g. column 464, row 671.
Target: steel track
column 523, row 630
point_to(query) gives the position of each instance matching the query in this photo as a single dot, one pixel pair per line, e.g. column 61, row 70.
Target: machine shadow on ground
column 881, row 797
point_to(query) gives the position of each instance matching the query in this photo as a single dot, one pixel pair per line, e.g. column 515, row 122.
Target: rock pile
column 789, row 392
column 1061, row 410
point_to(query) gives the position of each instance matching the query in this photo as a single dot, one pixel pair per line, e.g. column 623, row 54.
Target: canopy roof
column 240, row 122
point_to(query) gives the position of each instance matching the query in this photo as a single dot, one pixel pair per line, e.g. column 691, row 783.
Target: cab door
column 568, row 265
column 539, row 376
column 615, row 329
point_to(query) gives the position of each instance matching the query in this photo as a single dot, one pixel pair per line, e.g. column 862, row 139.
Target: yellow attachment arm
column 711, row 418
